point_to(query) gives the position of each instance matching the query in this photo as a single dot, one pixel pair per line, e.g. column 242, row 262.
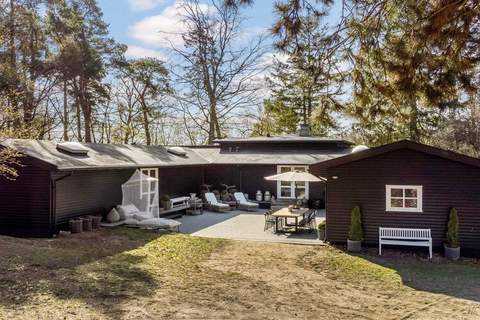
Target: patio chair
column 269, row 220
column 214, row 204
column 243, row 203
column 309, row 222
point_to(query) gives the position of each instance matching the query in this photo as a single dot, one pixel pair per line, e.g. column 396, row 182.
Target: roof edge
column 401, row 144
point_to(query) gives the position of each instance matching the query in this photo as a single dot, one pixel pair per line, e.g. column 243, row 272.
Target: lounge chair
column 243, row 203
column 214, row 204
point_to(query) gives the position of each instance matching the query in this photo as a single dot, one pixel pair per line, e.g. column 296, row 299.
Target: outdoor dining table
column 286, row 213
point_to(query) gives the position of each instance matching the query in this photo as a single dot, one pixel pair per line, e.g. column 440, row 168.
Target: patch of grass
column 55, row 273
column 351, row 268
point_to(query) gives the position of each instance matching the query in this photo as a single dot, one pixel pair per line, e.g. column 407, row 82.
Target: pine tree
column 412, row 59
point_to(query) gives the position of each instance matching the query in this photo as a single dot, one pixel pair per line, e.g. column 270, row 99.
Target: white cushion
column 129, row 209
column 113, row 216
column 131, row 222
column 159, row 223
column 140, row 216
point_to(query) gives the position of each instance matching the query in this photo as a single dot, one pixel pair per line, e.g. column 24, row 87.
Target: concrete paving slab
column 243, row 225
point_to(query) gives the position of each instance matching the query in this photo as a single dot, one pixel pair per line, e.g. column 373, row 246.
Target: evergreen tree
column 412, row 59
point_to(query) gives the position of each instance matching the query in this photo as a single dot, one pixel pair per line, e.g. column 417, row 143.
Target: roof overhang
column 402, row 144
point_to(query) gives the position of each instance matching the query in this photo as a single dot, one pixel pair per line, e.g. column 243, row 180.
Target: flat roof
column 124, row 156
column 283, row 139
column 103, row 156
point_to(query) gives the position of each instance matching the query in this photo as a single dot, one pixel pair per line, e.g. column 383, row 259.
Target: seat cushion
column 140, row 216
column 159, row 223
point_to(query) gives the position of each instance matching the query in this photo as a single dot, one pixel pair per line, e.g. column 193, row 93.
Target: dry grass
column 133, row 274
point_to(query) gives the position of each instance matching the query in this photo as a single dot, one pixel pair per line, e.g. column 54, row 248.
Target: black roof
column 283, row 139
column 402, row 144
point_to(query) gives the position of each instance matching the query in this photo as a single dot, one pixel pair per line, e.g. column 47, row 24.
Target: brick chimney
column 303, row 130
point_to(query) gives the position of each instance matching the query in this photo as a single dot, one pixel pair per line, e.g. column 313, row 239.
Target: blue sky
column 137, row 23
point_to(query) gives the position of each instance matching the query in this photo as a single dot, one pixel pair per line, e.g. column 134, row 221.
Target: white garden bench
column 405, row 237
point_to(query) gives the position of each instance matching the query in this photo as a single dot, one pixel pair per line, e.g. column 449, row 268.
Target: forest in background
column 385, row 70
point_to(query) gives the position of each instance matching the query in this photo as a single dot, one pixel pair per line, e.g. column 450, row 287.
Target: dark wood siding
column 88, row 192
column 446, row 184
column 179, row 181
column 250, row 178
column 25, row 202
column 97, row 191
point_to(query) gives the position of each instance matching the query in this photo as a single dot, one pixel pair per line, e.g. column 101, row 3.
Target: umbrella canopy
column 296, row 176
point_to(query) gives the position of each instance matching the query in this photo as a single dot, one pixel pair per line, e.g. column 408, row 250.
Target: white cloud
column 140, row 52
column 162, row 30
column 141, row 5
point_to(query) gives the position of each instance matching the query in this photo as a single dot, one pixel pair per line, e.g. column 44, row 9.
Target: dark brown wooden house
column 54, row 185
column 404, row 184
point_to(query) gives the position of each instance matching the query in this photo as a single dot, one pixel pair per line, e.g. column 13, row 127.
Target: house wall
column 97, row 191
column 179, row 181
column 446, row 184
column 250, row 178
column 25, row 202
column 88, row 192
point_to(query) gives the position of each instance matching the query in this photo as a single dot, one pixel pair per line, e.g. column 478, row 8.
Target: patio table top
column 286, row 213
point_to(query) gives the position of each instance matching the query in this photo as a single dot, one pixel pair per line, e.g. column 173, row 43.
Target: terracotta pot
column 354, row 246
column 451, row 253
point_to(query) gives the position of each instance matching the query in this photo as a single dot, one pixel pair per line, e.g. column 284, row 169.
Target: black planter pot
column 321, row 234
column 76, row 225
column 354, row 246
column 451, row 253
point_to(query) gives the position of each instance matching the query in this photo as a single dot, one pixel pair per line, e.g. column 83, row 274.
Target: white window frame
column 149, row 193
column 419, row 198
column 292, row 184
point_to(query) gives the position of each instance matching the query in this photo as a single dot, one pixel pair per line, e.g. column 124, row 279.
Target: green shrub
column 322, row 225
column 452, row 233
column 164, row 198
column 356, row 233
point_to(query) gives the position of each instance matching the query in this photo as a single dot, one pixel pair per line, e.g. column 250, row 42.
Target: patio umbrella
column 294, row 176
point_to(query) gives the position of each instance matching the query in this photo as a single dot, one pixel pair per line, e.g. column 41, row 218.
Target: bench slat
column 403, row 237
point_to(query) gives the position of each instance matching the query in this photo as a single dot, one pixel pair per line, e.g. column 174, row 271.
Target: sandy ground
column 125, row 279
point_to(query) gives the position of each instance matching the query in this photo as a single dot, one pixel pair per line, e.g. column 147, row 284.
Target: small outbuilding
column 405, row 185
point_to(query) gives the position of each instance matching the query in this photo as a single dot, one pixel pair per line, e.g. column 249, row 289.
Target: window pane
column 300, row 184
column 398, row 193
column 411, row 203
column 285, row 183
column 411, row 193
column 285, row 169
column 396, row 203
column 286, row 192
column 301, row 169
column 300, row 193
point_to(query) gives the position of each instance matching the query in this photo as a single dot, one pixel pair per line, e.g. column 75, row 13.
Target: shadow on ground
column 103, row 269
column 460, row 279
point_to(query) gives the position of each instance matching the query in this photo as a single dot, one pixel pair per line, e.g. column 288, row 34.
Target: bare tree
column 218, row 70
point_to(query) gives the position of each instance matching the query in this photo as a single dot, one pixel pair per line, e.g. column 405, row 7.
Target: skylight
column 72, row 147
column 179, row 151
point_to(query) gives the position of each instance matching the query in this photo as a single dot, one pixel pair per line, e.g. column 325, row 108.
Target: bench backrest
column 403, row 233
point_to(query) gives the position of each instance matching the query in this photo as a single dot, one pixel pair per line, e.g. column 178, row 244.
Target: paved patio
column 242, row 225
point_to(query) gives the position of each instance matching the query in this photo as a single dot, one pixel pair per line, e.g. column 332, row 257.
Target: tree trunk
column 86, row 110
column 211, row 124
column 78, row 116
column 413, row 121
column 146, row 122
column 65, row 111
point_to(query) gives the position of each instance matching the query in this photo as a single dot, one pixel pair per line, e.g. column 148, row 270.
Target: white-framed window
column 149, row 189
column 292, row 190
column 405, row 198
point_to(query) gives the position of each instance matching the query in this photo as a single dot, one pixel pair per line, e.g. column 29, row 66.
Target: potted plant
column 452, row 246
column 321, row 230
column 166, row 203
column 355, row 234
